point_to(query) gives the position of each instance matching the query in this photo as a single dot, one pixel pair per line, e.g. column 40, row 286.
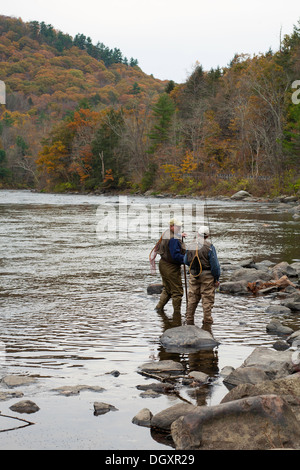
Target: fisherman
column 205, row 272
column 171, row 250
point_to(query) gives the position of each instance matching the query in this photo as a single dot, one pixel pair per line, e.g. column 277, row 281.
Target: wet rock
column 240, row 375
column 264, row 265
column 198, row 376
column 250, row 275
column 8, row 395
column 240, row 195
column 281, row 345
column 69, row 390
column 150, row 394
column 115, row 373
column 234, row 287
column 248, row 263
column 154, row 289
column 275, row 326
column 158, row 387
column 165, row 418
column 293, row 337
column 17, row 380
column 162, row 368
column 276, row 364
column 25, row 406
column 225, row 371
column 143, row 418
column 283, row 269
column 253, row 423
column 101, row 408
column 296, row 265
column 187, row 338
column 278, row 309
column 292, row 302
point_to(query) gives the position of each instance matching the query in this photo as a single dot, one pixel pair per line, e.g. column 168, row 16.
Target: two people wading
column 201, row 257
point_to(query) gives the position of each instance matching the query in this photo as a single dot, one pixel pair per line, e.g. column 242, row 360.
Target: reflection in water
column 74, row 307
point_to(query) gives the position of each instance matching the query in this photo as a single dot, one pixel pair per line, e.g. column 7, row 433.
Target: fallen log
column 280, row 284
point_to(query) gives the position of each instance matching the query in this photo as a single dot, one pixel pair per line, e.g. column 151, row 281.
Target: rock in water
column 154, row 289
column 187, row 338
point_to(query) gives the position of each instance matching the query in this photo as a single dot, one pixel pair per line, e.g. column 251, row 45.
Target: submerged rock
column 17, row 380
column 187, row 338
column 69, row 390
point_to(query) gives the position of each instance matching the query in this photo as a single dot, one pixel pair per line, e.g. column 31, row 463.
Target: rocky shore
column 262, row 408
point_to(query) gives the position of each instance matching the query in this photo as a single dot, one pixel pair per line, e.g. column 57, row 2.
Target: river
column 74, row 272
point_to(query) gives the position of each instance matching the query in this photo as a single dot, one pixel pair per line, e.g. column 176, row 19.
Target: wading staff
column 185, row 281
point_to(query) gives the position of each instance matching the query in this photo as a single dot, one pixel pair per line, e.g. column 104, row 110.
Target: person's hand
column 217, row 284
column 184, row 235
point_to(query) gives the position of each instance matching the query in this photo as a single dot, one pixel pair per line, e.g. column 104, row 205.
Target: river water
column 74, row 307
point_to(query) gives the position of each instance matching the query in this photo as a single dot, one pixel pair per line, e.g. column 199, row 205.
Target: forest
column 81, row 117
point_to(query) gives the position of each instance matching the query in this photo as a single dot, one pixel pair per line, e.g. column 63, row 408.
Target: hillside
column 80, row 116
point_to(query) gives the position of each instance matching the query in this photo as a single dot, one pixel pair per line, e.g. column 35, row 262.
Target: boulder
column 241, row 375
column 187, row 338
column 154, row 289
column 276, row 364
column 240, row 195
column 250, row 275
column 283, row 269
column 253, row 423
column 275, row 326
column 163, row 420
column 287, row 387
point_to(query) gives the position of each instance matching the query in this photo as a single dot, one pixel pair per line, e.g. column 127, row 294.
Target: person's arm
column 214, row 263
column 175, row 250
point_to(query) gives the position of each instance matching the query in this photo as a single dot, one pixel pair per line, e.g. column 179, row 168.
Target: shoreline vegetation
column 81, row 117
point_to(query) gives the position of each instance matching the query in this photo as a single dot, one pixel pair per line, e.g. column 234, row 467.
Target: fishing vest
column 164, row 250
column 203, row 250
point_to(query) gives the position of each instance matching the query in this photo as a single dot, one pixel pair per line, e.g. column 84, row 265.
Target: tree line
column 238, row 120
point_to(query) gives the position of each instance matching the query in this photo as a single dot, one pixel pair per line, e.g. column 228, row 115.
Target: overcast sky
column 168, row 37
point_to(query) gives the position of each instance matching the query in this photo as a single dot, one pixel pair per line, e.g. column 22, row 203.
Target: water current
column 74, row 272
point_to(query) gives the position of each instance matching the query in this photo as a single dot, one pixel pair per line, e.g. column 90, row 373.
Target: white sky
column 169, row 36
